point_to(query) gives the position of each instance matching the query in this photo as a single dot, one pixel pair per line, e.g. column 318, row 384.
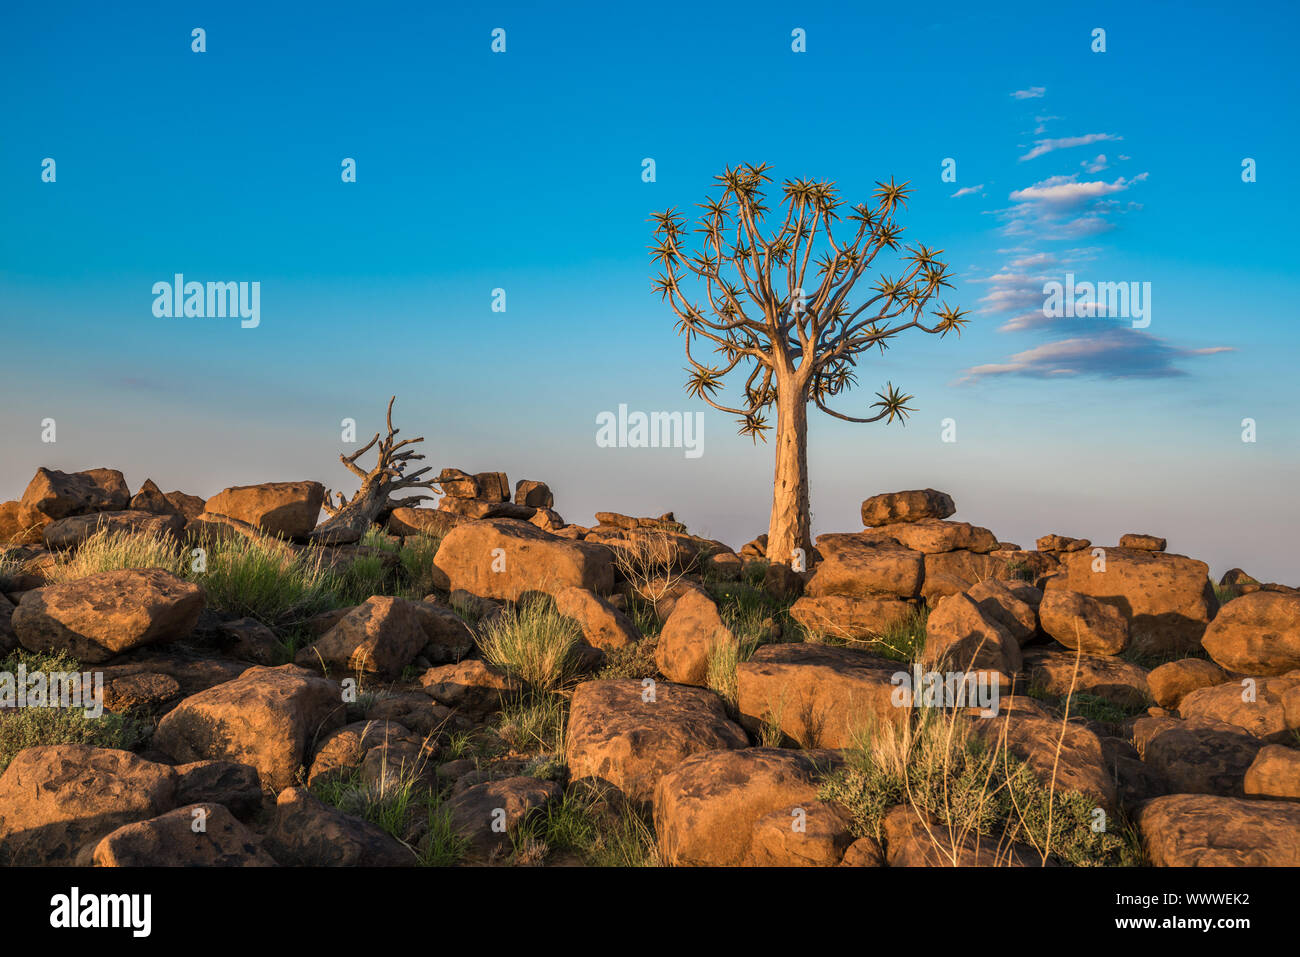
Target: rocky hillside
column 482, row 682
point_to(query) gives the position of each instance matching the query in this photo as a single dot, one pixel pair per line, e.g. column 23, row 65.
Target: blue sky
column 522, row 171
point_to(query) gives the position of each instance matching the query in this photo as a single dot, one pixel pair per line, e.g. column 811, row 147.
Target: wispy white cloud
column 1062, row 207
column 1033, row 93
column 1043, row 147
column 1096, row 164
column 967, row 190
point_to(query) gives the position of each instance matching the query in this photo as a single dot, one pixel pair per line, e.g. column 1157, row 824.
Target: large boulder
column 150, row 498
column 199, row 835
column 58, row 800
column 628, row 734
column 72, row 531
column 817, row 696
column 1256, row 704
column 1174, row 679
column 307, row 833
column 603, row 625
column 1275, row 773
column 1083, row 623
column 814, row 834
column 862, row 566
column 914, row 840
column 1198, row 755
column 56, row 494
column 1198, row 830
column 376, row 751
column 1257, row 634
column 1060, row 673
column 1013, row 604
column 508, row 559
column 960, row 636
column 20, row 525
column 106, row 614
column 891, row 508
column 706, row 808
column 288, row 509
column 471, row 686
column 486, row 815
column 1167, row 599
column 434, row 522
column 381, row 636
column 534, row 494
column 851, row 619
column 1068, row 757
column 690, row 637
column 267, row 717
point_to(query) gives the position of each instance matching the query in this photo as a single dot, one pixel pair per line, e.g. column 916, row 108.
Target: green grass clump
column 108, row 551
column 416, row 557
column 265, row 579
column 938, row 766
column 724, row 658
column 365, row 576
column 533, row 723
column 600, row 831
column 534, row 643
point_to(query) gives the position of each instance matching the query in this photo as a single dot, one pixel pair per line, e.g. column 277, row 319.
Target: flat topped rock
column 890, row 508
column 1201, row 830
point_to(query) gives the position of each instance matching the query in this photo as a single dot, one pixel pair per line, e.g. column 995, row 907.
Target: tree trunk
column 353, row 520
column 791, row 525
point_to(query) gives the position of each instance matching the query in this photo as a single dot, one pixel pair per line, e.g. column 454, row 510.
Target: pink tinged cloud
column 1111, row 353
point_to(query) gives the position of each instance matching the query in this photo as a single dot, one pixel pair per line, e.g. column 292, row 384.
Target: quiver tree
column 752, row 299
column 349, row 520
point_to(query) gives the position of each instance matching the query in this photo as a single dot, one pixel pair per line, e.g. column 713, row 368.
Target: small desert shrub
column 109, row 551
column 28, row 727
column 938, row 766
column 633, row 661
column 534, row 643
column 267, row 580
column 644, row 562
